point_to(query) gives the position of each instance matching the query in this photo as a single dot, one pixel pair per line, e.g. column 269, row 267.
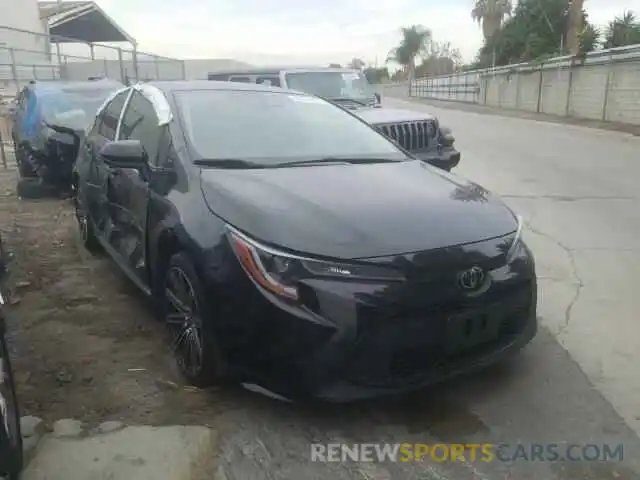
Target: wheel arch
column 167, row 244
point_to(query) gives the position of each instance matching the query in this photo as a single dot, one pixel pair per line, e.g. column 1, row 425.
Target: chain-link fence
column 26, row 56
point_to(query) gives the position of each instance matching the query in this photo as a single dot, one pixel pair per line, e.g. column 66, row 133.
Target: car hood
column 356, row 211
column 378, row 116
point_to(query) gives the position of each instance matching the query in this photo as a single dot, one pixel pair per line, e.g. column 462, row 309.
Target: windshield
column 72, row 108
column 332, row 84
column 273, row 128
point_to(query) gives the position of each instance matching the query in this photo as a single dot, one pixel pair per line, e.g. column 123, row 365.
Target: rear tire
column 187, row 315
column 11, row 440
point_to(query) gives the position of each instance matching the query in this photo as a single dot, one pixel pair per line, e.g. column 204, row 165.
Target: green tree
column 357, row 64
column 624, row 30
column 440, row 58
column 537, row 29
column 415, row 41
column 376, row 75
column 588, row 38
column 490, row 15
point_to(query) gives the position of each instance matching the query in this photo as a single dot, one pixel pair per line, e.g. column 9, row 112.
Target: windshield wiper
column 229, row 163
column 336, row 161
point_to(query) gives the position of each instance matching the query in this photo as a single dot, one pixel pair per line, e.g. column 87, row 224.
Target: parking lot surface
column 87, row 347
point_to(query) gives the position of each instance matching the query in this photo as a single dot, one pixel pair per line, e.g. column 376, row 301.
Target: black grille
column 412, row 136
column 406, row 351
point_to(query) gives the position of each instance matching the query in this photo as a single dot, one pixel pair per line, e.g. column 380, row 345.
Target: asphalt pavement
column 577, row 383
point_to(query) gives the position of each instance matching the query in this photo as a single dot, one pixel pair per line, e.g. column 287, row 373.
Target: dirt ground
column 85, row 343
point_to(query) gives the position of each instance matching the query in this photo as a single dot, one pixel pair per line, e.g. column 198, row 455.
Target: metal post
column 2, row 151
column 120, row 61
column 135, row 62
column 569, row 88
column 14, row 70
column 58, row 53
column 539, row 91
column 155, row 64
column 517, row 104
column 607, row 87
column 184, row 69
column 35, row 72
column 92, row 51
column 485, row 80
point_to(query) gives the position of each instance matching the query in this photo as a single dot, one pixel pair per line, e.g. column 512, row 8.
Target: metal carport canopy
column 81, row 22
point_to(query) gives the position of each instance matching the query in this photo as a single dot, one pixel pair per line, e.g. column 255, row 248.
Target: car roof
column 193, row 85
column 276, row 71
column 76, row 85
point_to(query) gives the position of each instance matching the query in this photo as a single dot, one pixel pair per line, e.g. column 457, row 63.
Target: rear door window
column 140, row 122
column 240, row 79
column 222, row 77
column 272, row 80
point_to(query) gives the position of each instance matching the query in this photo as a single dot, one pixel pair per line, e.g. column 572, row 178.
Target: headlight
column 446, row 137
column 517, row 244
column 280, row 272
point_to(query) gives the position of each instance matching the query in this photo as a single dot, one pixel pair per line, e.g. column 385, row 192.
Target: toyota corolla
column 289, row 245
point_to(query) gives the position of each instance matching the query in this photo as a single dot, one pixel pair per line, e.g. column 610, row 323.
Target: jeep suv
column 416, row 132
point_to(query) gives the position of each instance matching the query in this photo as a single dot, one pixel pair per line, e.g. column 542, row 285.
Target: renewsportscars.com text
column 469, row 452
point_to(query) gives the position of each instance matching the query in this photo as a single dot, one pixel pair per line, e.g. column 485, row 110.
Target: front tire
column 187, row 314
column 87, row 232
column 10, row 436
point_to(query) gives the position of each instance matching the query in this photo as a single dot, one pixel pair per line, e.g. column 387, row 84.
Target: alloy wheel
column 184, row 321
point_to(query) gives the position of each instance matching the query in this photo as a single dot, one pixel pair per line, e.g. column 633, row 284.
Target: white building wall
column 22, row 54
column 21, row 15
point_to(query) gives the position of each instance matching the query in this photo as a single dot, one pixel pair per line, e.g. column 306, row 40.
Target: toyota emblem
column 471, row 279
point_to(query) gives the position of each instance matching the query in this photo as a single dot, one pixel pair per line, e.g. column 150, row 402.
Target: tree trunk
column 490, row 25
column 575, row 26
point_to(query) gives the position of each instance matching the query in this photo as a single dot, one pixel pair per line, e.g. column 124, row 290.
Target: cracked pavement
column 577, row 189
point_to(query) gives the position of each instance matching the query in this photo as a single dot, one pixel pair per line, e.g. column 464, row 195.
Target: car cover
column 31, row 119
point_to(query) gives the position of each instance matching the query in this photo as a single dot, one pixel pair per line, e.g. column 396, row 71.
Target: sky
column 304, row 31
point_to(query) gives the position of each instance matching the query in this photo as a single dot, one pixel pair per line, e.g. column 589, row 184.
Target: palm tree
column 415, row 41
column 576, row 26
column 490, row 14
column 624, row 30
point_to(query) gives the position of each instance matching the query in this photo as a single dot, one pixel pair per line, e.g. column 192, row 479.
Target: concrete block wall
column 623, row 99
column 554, row 91
column 588, row 87
column 604, row 86
column 160, row 70
column 528, row 90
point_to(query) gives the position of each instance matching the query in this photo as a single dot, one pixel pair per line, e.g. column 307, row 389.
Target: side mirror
column 124, row 154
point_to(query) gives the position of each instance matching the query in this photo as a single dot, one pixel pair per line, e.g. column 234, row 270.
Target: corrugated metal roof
column 53, row 7
column 82, row 21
